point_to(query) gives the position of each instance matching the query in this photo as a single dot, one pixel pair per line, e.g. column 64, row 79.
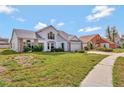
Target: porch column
column 45, row 46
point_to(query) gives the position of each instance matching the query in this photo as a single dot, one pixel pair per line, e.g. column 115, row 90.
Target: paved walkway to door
column 101, row 75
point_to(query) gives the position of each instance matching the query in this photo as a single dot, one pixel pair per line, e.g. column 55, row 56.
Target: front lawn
column 118, row 72
column 2, row 49
column 119, row 50
column 46, row 69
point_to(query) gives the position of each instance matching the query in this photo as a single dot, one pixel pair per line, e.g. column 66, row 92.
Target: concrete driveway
column 101, row 74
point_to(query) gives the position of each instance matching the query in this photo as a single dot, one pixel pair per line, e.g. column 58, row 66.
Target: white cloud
column 52, row 21
column 7, row 9
column 60, row 24
column 90, row 29
column 20, row 19
column 100, row 12
column 40, row 25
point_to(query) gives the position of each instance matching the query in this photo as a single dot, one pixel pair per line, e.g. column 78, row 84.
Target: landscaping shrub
column 26, row 49
column 76, row 51
column 81, row 51
column 7, row 52
column 37, row 48
column 57, row 50
column 122, row 45
column 105, row 49
column 119, row 50
column 86, row 48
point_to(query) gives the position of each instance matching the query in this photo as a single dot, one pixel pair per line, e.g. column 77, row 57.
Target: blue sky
column 78, row 20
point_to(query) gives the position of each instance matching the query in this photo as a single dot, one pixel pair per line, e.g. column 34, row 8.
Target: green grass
column 46, row 69
column 118, row 50
column 7, row 52
column 2, row 49
column 118, row 72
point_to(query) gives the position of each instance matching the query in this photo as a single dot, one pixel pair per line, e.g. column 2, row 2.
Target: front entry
column 50, row 46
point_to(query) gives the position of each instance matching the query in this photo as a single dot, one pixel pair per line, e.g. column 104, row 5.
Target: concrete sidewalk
column 101, row 75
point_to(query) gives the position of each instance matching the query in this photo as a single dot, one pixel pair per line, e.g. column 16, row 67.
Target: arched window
column 51, row 35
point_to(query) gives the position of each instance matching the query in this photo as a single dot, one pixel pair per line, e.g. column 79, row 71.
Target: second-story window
column 51, row 35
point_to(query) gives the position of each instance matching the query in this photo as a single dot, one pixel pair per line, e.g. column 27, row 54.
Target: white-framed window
column 51, row 35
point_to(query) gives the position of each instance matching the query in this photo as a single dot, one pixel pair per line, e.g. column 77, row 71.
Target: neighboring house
column 49, row 37
column 96, row 41
column 110, row 44
column 4, row 43
column 118, row 40
column 122, row 40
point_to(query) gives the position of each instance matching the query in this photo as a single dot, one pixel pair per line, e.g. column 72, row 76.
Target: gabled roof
column 107, row 41
column 74, row 38
column 21, row 33
column 87, row 38
column 67, row 36
column 40, row 30
column 63, row 34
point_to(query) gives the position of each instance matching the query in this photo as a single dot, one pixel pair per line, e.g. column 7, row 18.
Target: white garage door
column 75, row 46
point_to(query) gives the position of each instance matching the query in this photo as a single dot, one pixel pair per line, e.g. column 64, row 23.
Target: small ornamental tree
column 26, row 49
column 123, row 45
column 37, row 48
column 90, row 46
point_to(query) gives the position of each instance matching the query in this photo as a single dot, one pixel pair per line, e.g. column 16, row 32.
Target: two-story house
column 49, row 37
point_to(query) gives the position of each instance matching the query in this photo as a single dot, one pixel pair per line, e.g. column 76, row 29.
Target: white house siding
column 14, row 43
column 105, row 45
column 24, row 40
column 44, row 33
column 45, row 46
column 75, row 46
column 58, row 39
column 59, row 45
column 84, row 45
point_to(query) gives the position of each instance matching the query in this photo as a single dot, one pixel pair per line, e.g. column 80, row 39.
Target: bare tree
column 114, row 33
column 108, row 33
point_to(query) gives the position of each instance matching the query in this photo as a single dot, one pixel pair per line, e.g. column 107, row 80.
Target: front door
column 62, row 46
column 50, row 46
